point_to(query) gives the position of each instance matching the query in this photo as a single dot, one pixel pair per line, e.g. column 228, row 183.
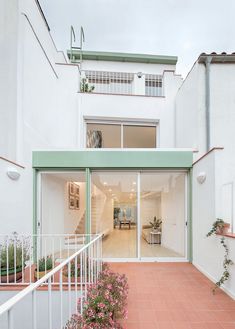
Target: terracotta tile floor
column 175, row 296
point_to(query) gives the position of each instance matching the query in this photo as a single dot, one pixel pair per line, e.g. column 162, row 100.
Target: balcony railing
column 21, row 256
column 59, row 297
column 123, row 83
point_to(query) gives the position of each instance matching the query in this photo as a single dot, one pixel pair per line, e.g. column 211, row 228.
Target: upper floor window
column 153, row 85
column 121, row 135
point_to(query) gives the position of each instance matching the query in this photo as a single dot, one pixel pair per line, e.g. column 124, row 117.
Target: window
column 120, row 135
column 139, row 136
column 153, row 85
column 103, row 135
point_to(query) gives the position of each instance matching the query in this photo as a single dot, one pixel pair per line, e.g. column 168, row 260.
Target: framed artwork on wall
column 73, row 196
column 76, row 189
column 77, row 203
column 71, row 188
column 71, row 202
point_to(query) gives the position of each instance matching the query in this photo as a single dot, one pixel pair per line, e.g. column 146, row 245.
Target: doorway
column 141, row 215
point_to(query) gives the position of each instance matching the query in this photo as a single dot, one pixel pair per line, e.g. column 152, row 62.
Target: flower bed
column 106, row 303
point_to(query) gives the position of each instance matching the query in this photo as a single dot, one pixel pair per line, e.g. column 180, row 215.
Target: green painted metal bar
column 35, row 173
column 102, row 159
column 190, row 215
column 88, row 202
column 123, row 57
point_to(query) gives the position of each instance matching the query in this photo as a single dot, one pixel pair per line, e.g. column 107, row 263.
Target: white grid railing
column 88, row 265
column 110, row 82
column 153, row 85
column 123, row 83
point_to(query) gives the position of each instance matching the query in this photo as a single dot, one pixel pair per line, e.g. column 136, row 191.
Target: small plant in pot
column 72, row 271
column 14, row 253
column 221, row 228
column 156, row 224
column 45, row 264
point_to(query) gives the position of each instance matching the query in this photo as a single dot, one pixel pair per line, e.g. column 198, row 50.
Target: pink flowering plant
column 106, row 303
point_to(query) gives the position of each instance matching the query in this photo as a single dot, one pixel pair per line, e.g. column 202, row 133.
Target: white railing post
column 10, row 319
column 86, row 261
column 61, row 298
column 49, row 304
column 34, row 315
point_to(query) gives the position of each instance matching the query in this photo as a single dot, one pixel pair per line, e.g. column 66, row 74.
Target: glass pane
column 114, row 212
column 162, row 214
column 139, row 137
column 103, row 135
column 63, row 203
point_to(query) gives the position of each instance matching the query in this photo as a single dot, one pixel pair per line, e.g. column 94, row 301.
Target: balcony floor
column 175, row 296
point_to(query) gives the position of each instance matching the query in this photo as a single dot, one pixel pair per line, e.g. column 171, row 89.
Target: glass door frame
column 138, row 257
column 185, row 258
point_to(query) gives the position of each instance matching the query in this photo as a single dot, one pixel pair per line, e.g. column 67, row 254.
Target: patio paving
column 175, row 296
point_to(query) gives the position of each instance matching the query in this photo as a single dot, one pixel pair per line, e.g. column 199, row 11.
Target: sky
column 183, row 28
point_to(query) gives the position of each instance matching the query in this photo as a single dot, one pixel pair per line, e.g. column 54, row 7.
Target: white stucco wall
column 208, row 252
column 190, row 111
column 38, row 108
column 8, row 77
column 12, row 201
column 135, row 108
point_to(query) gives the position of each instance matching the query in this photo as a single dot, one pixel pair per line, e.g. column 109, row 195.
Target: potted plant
column 45, row 264
column 13, row 257
column 84, row 86
column 156, row 224
column 219, row 227
column 72, row 271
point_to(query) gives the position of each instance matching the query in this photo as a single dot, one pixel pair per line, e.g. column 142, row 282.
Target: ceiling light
column 133, row 190
column 134, row 183
column 105, row 183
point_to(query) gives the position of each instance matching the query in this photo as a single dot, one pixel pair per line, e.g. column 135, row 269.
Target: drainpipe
column 207, row 101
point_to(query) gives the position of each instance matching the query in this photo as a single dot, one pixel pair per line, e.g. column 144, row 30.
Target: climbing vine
column 218, row 227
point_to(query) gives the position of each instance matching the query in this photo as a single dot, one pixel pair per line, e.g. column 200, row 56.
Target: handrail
column 18, row 297
column 10, row 161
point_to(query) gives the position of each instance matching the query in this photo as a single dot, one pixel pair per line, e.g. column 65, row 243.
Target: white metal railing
column 25, row 258
column 153, row 85
column 110, row 82
column 123, row 83
column 70, row 296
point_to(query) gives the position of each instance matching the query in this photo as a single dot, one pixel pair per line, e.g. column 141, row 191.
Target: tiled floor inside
column 123, row 243
column 175, row 296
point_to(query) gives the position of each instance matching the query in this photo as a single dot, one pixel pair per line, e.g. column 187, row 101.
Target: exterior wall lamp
column 201, row 177
column 139, row 75
column 13, row 173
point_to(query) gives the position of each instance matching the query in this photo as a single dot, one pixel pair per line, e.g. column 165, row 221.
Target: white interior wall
column 173, row 216
column 150, row 207
column 206, row 198
column 101, row 211
column 52, row 208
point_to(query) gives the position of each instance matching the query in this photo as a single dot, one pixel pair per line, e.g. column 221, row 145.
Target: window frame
column 122, row 123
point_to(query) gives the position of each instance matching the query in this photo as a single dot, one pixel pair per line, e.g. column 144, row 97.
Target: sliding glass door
column 141, row 215
column 114, row 212
column 163, row 214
